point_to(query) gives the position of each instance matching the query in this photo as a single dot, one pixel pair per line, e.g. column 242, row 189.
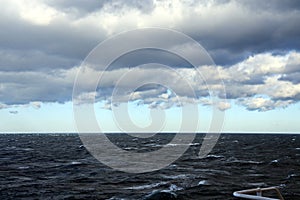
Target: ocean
column 57, row 166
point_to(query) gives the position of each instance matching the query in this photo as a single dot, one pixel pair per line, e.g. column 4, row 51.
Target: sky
column 255, row 47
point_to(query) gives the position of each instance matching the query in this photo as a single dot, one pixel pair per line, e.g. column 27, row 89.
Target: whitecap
column 130, row 148
column 190, row 144
column 291, row 175
column 174, row 145
column 154, row 145
column 203, row 182
column 173, row 166
column 27, row 149
column 282, row 185
column 251, row 162
column 76, row 163
column 214, row 156
column 235, row 160
column 23, row 167
column 174, row 187
column 148, row 186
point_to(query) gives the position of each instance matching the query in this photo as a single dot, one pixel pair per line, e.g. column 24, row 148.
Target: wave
column 190, row 144
column 147, row 186
column 180, row 176
column 235, row 160
column 215, row 156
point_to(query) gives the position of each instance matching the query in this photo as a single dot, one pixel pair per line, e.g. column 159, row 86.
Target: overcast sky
column 255, row 46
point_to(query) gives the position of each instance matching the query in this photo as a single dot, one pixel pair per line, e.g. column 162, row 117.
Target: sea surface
column 57, row 166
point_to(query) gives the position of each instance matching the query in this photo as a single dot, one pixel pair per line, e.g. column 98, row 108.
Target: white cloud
column 263, row 104
column 260, row 64
column 224, row 105
column 279, row 89
column 85, row 98
column 34, row 11
column 264, row 73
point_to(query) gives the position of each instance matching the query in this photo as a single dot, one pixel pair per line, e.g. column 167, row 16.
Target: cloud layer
column 255, row 46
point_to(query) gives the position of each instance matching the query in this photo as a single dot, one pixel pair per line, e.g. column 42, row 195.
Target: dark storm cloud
column 24, row 87
column 229, row 37
column 139, row 57
column 33, row 60
column 252, row 27
column 26, row 46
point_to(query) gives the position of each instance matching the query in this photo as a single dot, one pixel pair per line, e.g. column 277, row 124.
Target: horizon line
column 225, row 132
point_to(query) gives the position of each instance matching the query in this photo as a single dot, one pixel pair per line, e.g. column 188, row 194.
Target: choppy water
column 57, row 166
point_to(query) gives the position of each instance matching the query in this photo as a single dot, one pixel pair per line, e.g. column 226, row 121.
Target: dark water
column 48, row 166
